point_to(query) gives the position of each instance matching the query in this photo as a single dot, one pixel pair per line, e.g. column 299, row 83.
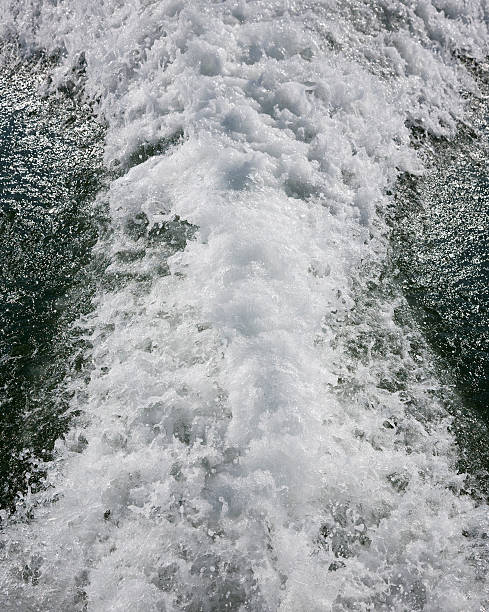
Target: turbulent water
column 259, row 424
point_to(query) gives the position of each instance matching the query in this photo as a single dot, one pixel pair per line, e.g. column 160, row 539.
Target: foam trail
column 261, row 428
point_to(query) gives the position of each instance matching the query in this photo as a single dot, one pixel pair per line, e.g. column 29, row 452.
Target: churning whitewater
column 260, row 426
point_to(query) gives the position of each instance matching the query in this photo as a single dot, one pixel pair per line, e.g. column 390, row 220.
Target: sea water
column 50, row 168
column 440, row 252
column 263, row 426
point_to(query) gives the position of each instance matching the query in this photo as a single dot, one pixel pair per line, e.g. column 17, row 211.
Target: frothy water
column 263, row 427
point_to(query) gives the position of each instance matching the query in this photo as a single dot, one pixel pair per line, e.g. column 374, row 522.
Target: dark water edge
column 440, row 238
column 50, row 171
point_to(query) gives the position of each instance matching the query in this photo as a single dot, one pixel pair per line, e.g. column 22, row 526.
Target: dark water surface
column 441, row 242
column 50, row 171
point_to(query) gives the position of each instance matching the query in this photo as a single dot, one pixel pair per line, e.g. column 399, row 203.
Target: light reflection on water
column 50, row 169
column 441, row 240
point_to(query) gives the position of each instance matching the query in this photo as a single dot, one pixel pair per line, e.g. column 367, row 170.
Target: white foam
column 243, row 452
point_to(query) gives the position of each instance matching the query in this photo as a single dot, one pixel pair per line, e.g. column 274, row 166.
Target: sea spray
column 263, row 427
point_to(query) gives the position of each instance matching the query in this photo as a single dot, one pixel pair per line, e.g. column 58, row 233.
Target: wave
column 262, row 427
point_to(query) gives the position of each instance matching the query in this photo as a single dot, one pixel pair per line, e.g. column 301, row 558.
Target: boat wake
column 261, row 426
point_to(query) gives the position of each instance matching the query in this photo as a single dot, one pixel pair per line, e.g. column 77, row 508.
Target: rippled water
column 443, row 223
column 50, row 168
column 441, row 248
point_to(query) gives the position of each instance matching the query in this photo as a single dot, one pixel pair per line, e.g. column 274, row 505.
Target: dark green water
column 50, row 171
column 441, row 247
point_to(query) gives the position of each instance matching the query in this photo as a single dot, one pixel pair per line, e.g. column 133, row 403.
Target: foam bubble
column 263, row 432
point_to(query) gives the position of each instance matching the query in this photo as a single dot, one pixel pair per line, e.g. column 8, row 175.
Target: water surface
column 50, row 169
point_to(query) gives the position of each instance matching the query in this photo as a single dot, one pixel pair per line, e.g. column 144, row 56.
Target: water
column 50, row 166
column 445, row 233
column 263, row 424
column 441, row 250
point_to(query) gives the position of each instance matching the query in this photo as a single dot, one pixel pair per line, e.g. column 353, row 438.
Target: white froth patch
column 246, row 448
